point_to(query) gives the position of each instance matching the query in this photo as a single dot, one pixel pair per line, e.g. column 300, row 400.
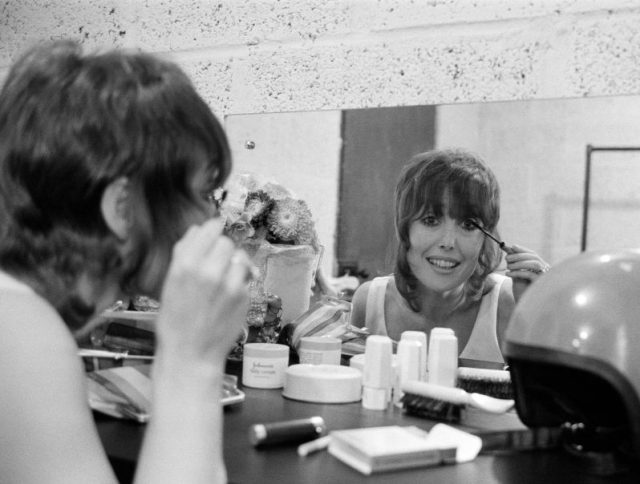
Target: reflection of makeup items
column 442, row 362
column 377, row 371
column 502, row 245
column 287, row 432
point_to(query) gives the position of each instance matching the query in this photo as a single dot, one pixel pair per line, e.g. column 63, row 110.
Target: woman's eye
column 429, row 220
column 470, row 224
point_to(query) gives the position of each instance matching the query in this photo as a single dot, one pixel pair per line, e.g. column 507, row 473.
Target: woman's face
column 443, row 251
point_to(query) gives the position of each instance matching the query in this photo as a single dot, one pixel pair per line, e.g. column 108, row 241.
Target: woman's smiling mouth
column 442, row 263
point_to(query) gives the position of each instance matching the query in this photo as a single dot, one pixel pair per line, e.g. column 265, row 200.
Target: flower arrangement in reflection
column 265, row 218
column 256, row 211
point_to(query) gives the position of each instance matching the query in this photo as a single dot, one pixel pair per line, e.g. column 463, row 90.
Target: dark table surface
column 246, row 464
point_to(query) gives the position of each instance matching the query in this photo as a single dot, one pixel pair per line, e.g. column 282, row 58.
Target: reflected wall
column 536, row 148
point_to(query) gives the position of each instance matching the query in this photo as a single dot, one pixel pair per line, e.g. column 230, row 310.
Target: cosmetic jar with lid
column 320, row 350
column 264, row 365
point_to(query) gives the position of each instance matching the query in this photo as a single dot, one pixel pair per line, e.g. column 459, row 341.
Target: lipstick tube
column 287, row 432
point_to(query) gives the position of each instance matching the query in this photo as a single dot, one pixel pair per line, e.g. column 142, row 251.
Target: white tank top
column 483, row 342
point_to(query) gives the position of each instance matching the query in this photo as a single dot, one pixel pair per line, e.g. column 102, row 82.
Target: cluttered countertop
column 510, row 451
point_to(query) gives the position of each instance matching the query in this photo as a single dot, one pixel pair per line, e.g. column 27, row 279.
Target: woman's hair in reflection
column 70, row 124
column 473, row 193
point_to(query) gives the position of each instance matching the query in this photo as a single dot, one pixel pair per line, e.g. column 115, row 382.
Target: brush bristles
column 433, row 401
column 431, row 408
column 495, row 383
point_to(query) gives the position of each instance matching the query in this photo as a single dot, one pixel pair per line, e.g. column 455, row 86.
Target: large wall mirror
column 344, row 163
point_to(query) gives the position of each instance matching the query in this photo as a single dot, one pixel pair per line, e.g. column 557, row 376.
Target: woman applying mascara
column 446, row 201
column 106, row 163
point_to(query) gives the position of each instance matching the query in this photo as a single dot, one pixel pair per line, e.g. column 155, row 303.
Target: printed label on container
column 264, row 372
column 312, row 357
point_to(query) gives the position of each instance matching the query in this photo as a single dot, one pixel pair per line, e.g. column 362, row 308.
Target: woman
column 445, row 269
column 106, row 166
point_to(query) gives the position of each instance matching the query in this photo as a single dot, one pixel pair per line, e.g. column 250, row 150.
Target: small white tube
column 409, row 358
column 376, row 376
column 420, row 337
column 442, row 363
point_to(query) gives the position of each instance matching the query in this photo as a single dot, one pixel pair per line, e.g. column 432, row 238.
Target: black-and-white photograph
column 347, row 241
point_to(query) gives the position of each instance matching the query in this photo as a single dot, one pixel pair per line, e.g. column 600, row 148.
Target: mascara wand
column 502, row 245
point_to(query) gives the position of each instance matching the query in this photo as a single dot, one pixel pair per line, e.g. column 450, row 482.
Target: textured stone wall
column 263, row 56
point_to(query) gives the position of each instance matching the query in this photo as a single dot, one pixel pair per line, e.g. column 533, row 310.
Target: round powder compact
column 323, row 383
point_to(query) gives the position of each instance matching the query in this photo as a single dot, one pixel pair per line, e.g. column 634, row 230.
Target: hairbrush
column 495, row 383
column 502, row 245
column 442, row 403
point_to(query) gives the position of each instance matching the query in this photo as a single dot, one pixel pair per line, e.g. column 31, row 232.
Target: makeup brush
column 502, row 245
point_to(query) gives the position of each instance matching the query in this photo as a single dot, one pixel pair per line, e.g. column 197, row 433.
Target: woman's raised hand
column 524, row 266
column 204, row 299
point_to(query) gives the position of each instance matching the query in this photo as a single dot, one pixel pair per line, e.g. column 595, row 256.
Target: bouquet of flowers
column 257, row 211
column 278, row 233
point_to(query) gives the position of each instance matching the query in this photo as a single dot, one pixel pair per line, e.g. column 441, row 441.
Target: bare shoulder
column 30, row 326
column 32, row 333
column 359, row 304
column 44, row 415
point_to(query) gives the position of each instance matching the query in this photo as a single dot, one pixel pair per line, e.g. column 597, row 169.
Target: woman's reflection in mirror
column 446, row 272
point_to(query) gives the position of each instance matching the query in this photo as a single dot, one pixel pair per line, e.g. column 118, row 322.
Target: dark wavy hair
column 473, row 193
column 72, row 123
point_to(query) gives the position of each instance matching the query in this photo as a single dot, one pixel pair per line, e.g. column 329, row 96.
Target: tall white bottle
column 377, row 373
column 442, row 362
column 420, row 337
column 409, row 355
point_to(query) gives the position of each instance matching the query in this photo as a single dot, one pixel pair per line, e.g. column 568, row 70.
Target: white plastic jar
column 264, row 365
column 320, row 350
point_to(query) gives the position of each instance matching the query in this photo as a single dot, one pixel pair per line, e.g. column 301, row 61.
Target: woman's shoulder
column 361, row 297
column 376, row 284
column 30, row 326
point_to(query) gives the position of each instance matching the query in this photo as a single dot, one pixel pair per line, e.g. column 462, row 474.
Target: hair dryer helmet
column 573, row 348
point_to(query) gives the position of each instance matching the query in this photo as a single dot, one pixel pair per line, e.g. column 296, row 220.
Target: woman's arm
column 48, row 431
column 203, row 306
